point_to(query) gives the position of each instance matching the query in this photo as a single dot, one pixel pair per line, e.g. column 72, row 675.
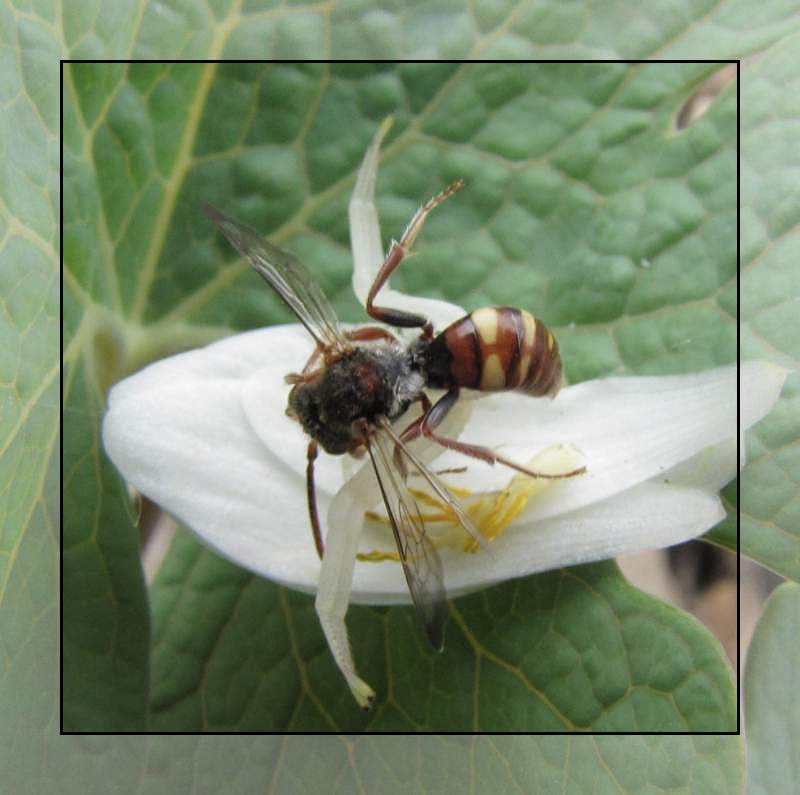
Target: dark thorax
column 361, row 385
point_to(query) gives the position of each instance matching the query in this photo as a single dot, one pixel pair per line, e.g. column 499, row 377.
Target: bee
column 358, row 383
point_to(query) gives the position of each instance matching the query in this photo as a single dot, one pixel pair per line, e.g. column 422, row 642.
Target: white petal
column 205, row 435
column 177, row 431
column 710, row 469
column 648, row 516
column 365, row 232
column 264, row 397
column 628, row 429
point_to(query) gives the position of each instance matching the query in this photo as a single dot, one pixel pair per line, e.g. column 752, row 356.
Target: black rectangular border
column 737, row 62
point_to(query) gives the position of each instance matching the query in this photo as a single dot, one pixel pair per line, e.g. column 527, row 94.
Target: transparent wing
column 438, row 487
column 287, row 276
column 421, row 563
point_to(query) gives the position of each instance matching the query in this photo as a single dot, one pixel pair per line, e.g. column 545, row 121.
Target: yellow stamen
column 492, row 512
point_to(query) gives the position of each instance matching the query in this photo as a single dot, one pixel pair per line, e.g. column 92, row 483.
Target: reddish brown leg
column 397, row 253
column 433, row 416
column 413, row 431
column 370, row 333
column 311, row 494
column 450, row 471
column 307, row 374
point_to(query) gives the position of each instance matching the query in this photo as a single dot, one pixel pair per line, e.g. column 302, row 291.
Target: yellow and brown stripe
column 502, row 348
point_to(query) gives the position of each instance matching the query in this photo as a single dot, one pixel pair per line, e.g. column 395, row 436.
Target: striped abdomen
column 494, row 349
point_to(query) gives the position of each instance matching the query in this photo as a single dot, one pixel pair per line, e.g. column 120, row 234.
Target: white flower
column 205, row 435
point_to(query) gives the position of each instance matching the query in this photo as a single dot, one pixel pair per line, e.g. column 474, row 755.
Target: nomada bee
column 358, row 383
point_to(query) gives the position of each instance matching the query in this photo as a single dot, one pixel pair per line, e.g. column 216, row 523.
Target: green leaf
column 106, row 642
column 102, row 339
column 583, row 204
column 443, row 29
column 574, row 650
column 607, row 765
column 770, row 295
column 511, row 764
column 105, row 610
column 772, row 709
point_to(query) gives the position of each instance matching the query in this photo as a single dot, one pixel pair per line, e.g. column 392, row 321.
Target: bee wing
column 287, row 275
column 421, row 564
column 439, row 488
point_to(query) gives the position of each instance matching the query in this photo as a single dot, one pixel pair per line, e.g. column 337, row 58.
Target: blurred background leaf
column 770, row 329
column 771, row 703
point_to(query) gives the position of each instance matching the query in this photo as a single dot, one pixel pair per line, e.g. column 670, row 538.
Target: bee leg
column 394, row 317
column 300, row 378
column 311, row 494
column 431, row 417
column 434, row 416
column 415, row 224
column 365, row 237
column 413, row 430
column 312, row 360
column 308, row 373
column 369, row 333
column 397, row 253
